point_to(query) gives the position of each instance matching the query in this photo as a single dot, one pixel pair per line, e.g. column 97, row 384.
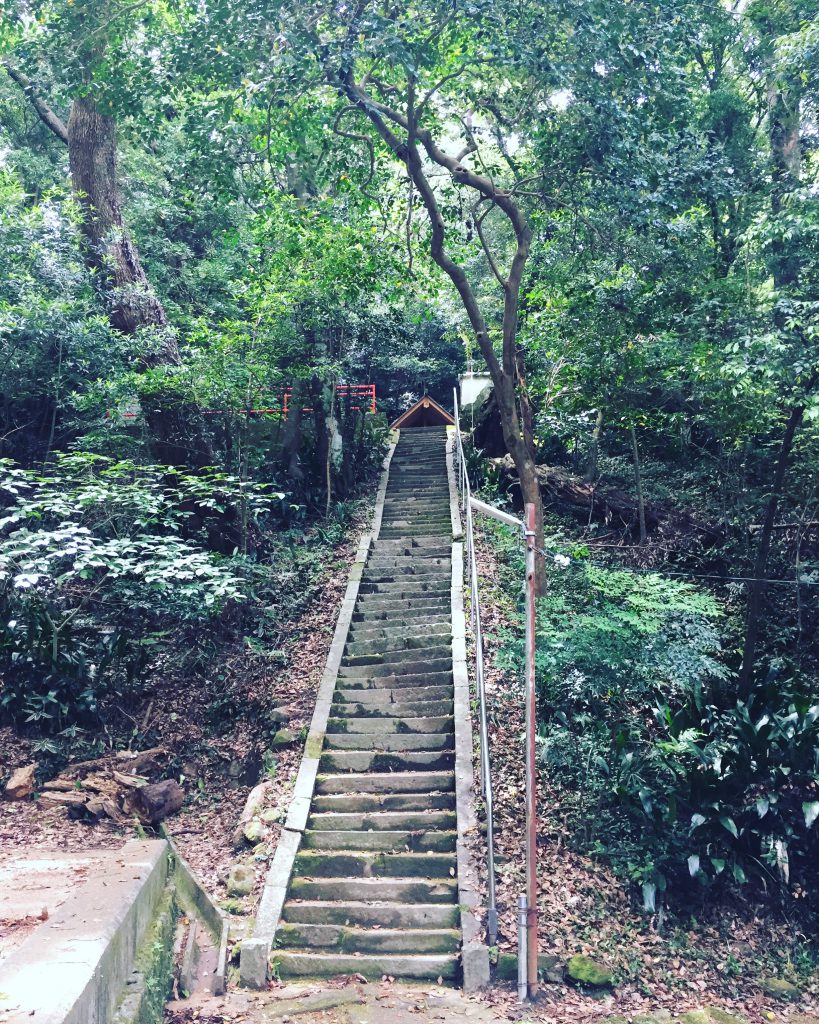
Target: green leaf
column 811, row 811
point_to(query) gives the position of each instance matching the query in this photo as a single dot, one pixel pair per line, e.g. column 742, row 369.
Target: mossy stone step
column 399, row 679
column 428, row 967
column 354, row 708
column 380, row 697
column 387, row 782
column 368, row 940
column 404, row 589
column 390, row 649
column 390, row 741
column 417, row 664
column 391, row 726
column 317, row 864
column 362, row 802
column 440, row 626
column 381, row 841
column 379, row 915
column 387, row 652
column 394, row 890
column 388, row 821
column 363, row 761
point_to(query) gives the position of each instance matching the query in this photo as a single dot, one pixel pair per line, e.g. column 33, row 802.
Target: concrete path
column 348, row 1004
column 73, row 966
column 374, row 889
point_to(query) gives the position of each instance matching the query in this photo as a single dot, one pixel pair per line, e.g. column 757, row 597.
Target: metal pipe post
column 531, row 780
column 523, row 986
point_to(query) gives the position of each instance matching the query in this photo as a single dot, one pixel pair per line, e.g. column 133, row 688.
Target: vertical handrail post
column 531, row 780
column 480, row 685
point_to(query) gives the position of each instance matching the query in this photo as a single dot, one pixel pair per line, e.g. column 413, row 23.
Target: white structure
column 472, row 385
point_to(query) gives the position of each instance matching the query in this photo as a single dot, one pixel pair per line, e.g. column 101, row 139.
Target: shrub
column 91, row 564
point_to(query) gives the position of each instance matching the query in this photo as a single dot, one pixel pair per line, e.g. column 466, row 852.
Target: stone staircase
column 374, row 887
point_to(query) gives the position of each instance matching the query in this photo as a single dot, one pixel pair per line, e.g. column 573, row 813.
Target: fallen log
column 157, row 800
column 597, row 502
column 108, row 787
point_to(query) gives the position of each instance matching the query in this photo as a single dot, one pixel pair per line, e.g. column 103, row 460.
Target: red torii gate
column 361, row 392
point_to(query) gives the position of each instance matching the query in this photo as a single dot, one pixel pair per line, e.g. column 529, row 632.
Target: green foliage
column 93, row 562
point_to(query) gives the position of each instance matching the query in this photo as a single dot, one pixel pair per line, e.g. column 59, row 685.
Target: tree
column 435, row 86
column 177, row 428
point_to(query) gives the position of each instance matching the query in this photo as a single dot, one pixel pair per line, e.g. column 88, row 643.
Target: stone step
column 427, row 967
column 415, row 523
column 418, row 530
column 377, row 761
column 391, row 915
column 441, row 677
column 425, row 782
column 381, row 697
column 440, row 626
column 361, row 803
column 418, row 549
column 389, row 741
column 381, row 841
column 410, row 574
column 417, row 666
column 404, row 589
column 388, row 821
column 346, row 865
column 380, row 609
column 399, row 656
column 358, row 711
column 389, row 726
column 387, row 647
column 367, row 940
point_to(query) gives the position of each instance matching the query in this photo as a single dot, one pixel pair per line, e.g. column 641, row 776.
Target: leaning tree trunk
column 176, row 427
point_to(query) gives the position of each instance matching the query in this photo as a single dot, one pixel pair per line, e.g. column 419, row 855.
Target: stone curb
column 474, row 952
column 74, row 967
column 255, row 951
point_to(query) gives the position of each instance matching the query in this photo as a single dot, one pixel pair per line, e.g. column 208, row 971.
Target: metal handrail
column 467, row 502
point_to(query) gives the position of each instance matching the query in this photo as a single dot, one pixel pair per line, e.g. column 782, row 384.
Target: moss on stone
column 720, row 1016
column 778, row 988
column 586, row 971
column 696, row 1017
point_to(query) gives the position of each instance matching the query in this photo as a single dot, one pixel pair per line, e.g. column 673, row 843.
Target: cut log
column 130, row 781
column 156, row 801
column 21, row 784
column 59, row 785
column 134, row 762
column 74, row 799
column 253, row 805
column 98, row 807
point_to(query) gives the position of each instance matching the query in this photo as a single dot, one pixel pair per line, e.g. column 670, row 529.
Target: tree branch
column 490, row 258
column 42, row 109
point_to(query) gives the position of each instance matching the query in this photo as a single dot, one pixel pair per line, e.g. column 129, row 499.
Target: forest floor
column 713, row 951
column 216, row 728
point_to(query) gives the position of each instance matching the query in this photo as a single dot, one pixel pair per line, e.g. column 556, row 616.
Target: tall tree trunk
column 756, row 589
column 177, row 427
column 638, row 485
column 783, row 129
column 290, row 456
column 594, row 449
